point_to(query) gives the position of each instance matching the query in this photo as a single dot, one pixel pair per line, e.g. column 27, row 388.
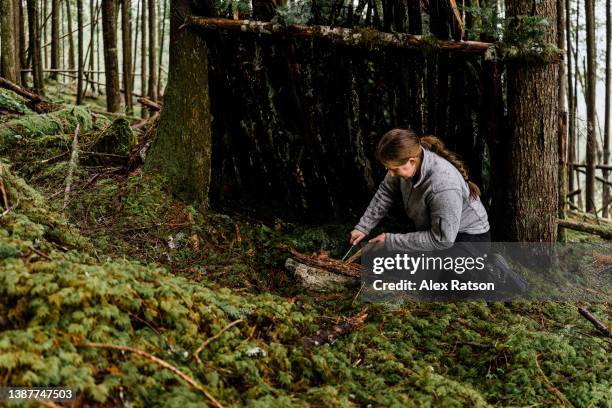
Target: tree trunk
column 135, row 47
column 161, row 48
column 181, row 151
column 111, row 63
column 71, row 63
column 534, row 132
column 43, row 25
column 80, row 57
column 55, row 43
column 33, row 28
column 22, row 47
column 152, row 92
column 562, row 128
column 570, row 98
column 591, row 82
column 606, row 143
column 126, row 37
column 8, row 60
column 143, row 54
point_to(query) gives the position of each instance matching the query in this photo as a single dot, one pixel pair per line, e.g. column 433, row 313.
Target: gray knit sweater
column 438, row 203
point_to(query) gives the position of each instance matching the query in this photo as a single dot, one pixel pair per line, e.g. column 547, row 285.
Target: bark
column 143, row 54
column 93, row 15
column 606, row 143
column 135, row 47
column 161, row 48
column 80, row 56
column 111, row 63
column 43, row 24
column 126, row 38
column 152, row 92
column 570, row 98
column 590, row 106
column 181, row 151
column 34, row 47
column 55, row 43
column 533, row 117
column 71, row 63
column 8, row 60
column 599, row 230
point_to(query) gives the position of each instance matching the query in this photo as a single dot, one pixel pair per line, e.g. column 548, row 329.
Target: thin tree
column 71, row 63
column 23, row 63
column 161, row 48
column 111, row 62
column 135, row 48
column 80, row 57
column 43, row 24
column 606, row 143
column 533, row 173
column 570, row 98
column 152, row 92
column 17, row 38
column 126, row 38
column 34, row 45
column 143, row 54
column 8, row 56
column 591, row 82
column 562, row 136
column 93, row 14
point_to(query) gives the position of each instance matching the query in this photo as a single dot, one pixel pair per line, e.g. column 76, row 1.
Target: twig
column 596, row 322
column 5, row 201
column 329, row 335
column 53, row 158
column 74, row 157
column 8, row 210
column 553, row 390
column 213, row 338
column 354, row 256
column 159, row 362
column 39, row 253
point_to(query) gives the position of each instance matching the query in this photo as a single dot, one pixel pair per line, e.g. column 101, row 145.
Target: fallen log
column 314, row 278
column 596, row 322
column 35, row 102
column 154, row 106
column 324, row 262
column 599, row 230
column 329, row 335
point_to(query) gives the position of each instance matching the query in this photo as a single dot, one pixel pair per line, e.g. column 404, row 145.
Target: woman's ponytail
column 435, row 145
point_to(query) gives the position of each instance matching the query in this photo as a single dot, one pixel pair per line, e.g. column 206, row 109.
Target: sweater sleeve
column 380, row 204
column 445, row 214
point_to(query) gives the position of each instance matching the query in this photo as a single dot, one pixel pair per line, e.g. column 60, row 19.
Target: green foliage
column 293, row 13
column 485, row 21
column 117, row 138
column 12, row 104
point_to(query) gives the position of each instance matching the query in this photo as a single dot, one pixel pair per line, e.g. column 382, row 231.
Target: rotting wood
column 602, row 231
column 316, row 278
column 329, row 335
column 324, row 262
column 35, row 102
column 154, row 106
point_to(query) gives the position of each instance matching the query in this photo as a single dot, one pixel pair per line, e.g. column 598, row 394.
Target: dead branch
column 213, row 338
column 596, row 322
column 74, row 157
column 154, row 106
column 5, row 201
column 324, row 262
column 329, row 335
column 36, row 102
column 159, row 362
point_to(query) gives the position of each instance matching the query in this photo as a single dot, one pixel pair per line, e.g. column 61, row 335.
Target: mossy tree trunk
column 111, row 59
column 534, row 119
column 34, row 47
column 181, row 151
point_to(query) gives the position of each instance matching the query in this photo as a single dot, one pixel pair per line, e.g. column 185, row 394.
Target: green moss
column 117, row 138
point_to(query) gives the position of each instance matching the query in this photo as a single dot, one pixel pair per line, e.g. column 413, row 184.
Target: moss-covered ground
column 126, row 264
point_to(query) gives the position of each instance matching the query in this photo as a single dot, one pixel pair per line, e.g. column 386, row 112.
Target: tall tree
column 34, row 46
column 93, row 14
column 152, row 92
column 80, row 56
column 533, row 135
column 562, row 129
column 135, row 48
column 606, row 143
column 111, row 61
column 22, row 39
column 55, row 43
column 570, row 98
column 591, row 82
column 8, row 57
column 161, row 47
column 71, row 64
column 126, row 42
column 17, row 33
column 181, row 151
column 143, row 54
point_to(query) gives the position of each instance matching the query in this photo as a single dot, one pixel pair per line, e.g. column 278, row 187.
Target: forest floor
column 207, row 314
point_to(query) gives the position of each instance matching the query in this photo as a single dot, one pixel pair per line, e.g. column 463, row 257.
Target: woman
column 437, row 195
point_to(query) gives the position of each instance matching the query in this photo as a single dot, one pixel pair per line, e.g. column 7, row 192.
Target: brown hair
column 398, row 145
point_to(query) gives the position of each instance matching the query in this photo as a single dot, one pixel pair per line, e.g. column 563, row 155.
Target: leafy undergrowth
column 127, row 265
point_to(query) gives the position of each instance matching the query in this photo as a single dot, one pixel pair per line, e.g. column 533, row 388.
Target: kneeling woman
column 437, row 195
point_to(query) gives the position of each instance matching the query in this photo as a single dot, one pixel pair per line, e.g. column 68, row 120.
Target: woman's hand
column 356, row 236
column 380, row 238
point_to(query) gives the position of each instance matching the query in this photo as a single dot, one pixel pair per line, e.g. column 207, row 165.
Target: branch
column 329, row 335
column 602, row 231
column 36, row 102
column 159, row 362
column 213, row 338
column 596, row 322
column 74, row 158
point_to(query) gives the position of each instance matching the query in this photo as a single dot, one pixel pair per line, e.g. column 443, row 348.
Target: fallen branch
column 329, row 335
column 600, row 230
column 324, row 262
column 159, row 362
column 596, row 322
column 154, row 106
column 36, row 102
column 74, row 157
column 213, row 338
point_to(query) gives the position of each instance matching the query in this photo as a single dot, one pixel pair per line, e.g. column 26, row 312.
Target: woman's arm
column 445, row 214
column 380, row 204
